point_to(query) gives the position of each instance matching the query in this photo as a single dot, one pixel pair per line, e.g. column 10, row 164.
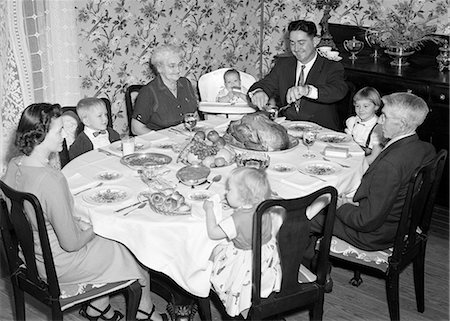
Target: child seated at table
column 364, row 127
column 96, row 134
column 231, row 276
column 232, row 92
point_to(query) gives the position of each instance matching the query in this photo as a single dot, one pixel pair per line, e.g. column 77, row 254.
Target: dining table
column 178, row 245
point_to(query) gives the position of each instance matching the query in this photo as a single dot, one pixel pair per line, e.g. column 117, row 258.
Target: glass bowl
column 256, row 160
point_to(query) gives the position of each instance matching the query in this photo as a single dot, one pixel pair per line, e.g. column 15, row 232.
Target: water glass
column 309, row 137
column 127, row 145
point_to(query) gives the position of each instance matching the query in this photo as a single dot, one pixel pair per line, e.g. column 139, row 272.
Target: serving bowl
column 192, row 175
column 256, row 160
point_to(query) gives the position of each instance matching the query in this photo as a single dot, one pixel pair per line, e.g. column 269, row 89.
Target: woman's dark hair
column 307, row 26
column 34, row 125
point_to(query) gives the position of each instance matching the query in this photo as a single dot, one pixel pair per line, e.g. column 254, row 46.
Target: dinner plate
column 334, row 137
column 293, row 143
column 137, row 160
column 138, row 146
column 320, row 168
column 296, row 128
column 108, row 175
column 107, row 195
column 282, row 168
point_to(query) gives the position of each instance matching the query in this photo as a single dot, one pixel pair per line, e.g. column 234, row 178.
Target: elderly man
column 311, row 82
column 370, row 220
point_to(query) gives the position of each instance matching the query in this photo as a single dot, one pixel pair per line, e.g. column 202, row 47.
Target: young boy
column 233, row 92
column 96, row 134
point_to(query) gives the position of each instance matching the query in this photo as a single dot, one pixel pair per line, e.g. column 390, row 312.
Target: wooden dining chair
column 409, row 244
column 300, row 288
column 18, row 241
column 130, row 98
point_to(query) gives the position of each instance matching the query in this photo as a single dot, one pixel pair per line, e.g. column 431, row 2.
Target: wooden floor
column 368, row 302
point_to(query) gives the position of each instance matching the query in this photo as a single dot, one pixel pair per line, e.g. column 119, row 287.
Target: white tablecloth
column 179, row 245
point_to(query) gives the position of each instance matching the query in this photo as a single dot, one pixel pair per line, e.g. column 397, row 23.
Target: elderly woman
column 164, row 101
column 79, row 255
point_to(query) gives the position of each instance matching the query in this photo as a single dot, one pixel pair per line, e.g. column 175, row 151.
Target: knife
column 134, row 204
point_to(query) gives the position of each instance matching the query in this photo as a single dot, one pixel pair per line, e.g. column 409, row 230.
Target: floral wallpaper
column 117, row 36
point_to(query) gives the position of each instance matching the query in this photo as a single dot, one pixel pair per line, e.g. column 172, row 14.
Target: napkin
column 79, row 182
column 153, row 137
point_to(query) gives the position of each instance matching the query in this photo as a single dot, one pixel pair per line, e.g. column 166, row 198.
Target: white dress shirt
column 101, row 140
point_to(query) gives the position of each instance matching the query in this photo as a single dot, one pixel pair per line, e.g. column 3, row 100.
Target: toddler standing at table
column 364, row 127
column 231, row 276
column 96, row 134
column 233, row 92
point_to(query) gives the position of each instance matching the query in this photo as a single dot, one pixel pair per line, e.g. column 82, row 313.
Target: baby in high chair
column 232, row 92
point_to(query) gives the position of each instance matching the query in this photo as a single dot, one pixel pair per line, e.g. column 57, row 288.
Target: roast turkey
column 257, row 132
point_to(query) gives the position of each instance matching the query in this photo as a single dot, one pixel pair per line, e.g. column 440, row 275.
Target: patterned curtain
column 38, row 59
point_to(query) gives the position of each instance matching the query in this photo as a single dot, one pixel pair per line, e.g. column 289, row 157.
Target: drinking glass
column 190, row 121
column 309, row 137
column 127, row 145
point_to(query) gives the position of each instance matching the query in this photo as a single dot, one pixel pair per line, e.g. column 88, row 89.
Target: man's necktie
column 99, row 132
column 301, row 82
column 301, row 79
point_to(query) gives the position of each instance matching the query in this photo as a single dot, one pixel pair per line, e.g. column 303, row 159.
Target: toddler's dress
column 232, row 261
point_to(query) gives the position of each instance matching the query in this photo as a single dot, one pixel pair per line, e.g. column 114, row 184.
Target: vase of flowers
column 402, row 29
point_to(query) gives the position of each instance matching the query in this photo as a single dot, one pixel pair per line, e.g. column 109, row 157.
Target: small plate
column 282, row 168
column 138, row 146
column 200, row 195
column 334, row 137
column 109, row 175
column 138, row 160
column 320, row 168
column 107, row 195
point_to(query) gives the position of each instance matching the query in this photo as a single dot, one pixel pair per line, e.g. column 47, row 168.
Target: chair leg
column 133, row 297
column 419, row 282
column 57, row 314
column 356, row 280
column 204, row 310
column 316, row 313
column 392, row 295
column 19, row 302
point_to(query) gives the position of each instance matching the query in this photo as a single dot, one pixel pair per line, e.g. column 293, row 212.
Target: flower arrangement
column 404, row 25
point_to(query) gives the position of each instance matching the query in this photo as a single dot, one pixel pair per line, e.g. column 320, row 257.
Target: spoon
column 214, row 179
column 142, row 205
column 87, row 189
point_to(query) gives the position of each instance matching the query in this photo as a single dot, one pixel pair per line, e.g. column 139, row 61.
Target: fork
column 329, row 160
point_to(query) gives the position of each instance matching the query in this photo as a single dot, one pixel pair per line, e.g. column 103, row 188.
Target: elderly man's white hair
column 410, row 108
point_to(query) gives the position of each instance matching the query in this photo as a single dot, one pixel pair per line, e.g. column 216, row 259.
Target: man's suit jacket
column 326, row 75
column 83, row 144
column 373, row 224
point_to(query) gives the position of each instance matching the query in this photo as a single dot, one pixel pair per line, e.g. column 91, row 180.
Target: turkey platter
column 257, row 132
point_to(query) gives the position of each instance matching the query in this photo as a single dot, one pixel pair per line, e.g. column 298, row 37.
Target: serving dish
column 168, row 202
column 296, row 128
column 106, row 195
column 320, row 168
column 293, row 143
column 138, row 160
column 334, row 137
column 192, row 175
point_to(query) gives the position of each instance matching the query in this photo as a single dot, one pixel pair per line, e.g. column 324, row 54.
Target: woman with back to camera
column 168, row 97
column 79, row 255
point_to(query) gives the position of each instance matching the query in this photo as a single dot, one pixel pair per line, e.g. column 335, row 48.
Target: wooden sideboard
column 422, row 77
